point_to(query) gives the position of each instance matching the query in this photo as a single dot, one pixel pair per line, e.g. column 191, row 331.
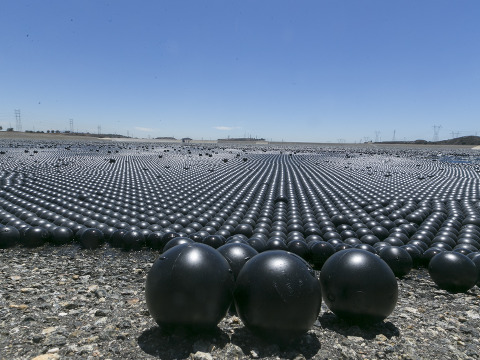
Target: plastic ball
column 453, row 271
column 133, row 240
column 9, row 236
column 237, row 254
column 116, row 240
column 299, row 247
column 475, row 257
column 429, row 254
column 319, row 252
column 61, row 235
column 91, row 238
column 214, row 241
column 191, row 286
column 276, row 243
column 415, row 253
column 277, row 295
column 358, row 286
column 179, row 240
column 35, row 236
column 244, row 229
column 398, row 259
column 155, row 240
column 258, row 244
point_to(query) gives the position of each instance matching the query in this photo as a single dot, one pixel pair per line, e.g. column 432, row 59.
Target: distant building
column 186, row 140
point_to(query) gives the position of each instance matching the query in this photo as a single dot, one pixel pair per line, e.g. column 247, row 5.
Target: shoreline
column 4, row 135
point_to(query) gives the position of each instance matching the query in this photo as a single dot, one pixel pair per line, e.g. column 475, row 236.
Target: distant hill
column 463, row 140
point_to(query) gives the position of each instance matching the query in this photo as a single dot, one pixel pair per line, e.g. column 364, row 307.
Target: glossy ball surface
column 9, row 236
column 237, row 255
column 35, row 236
column 358, row 286
column 91, row 238
column 61, row 235
column 191, row 286
column 398, row 259
column 453, row 271
column 277, row 295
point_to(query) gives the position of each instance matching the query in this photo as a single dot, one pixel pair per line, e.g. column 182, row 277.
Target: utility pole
column 436, row 130
column 18, row 120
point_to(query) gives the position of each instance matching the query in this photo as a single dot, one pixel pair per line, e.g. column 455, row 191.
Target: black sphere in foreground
column 9, row 236
column 191, row 286
column 453, row 271
column 398, row 259
column 133, row 240
column 277, row 295
column 358, row 286
column 475, row 257
column 35, row 236
column 91, row 238
column 61, row 235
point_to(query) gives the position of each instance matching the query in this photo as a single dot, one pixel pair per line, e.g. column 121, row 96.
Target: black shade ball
column 116, row 240
column 276, row 244
column 9, row 236
column 179, row 240
column 398, row 259
column 475, row 257
column 244, row 229
column 358, row 286
column 35, row 236
column 91, row 238
column 155, row 240
column 61, row 235
column 277, row 295
column 237, row 254
column 415, row 254
column 429, row 254
column 214, row 241
column 191, row 286
column 299, row 247
column 319, row 252
column 133, row 240
column 258, row 244
column 453, row 271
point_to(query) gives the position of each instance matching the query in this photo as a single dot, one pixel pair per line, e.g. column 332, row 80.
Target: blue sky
column 315, row 71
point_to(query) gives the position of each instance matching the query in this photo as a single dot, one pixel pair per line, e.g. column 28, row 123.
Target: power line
column 436, row 131
column 18, row 120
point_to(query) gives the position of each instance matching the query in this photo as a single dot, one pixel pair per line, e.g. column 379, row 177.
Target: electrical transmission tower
column 436, row 131
column 18, row 120
column 99, row 129
column 394, row 131
column 455, row 134
column 377, row 136
column 71, row 125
